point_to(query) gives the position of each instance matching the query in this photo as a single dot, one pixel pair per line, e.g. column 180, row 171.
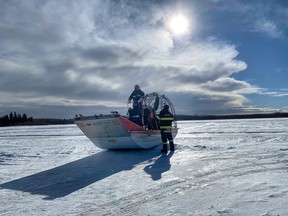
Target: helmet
column 166, row 107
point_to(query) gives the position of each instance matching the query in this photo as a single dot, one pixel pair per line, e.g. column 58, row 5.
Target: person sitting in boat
column 149, row 118
column 134, row 116
column 137, row 96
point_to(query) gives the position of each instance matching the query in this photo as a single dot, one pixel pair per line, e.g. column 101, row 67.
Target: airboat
column 134, row 131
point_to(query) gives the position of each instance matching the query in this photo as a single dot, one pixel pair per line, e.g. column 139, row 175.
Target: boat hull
column 117, row 132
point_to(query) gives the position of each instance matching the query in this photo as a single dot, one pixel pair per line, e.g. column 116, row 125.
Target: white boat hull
column 117, row 132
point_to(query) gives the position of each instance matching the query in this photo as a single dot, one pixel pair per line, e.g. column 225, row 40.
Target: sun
column 178, row 24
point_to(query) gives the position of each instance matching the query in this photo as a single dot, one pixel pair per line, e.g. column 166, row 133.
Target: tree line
column 243, row 116
column 15, row 119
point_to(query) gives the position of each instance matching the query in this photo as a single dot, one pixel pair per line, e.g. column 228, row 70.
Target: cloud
column 275, row 93
column 66, row 54
column 266, row 17
column 227, row 84
column 268, row 27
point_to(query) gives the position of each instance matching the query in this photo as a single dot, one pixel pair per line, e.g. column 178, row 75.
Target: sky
column 61, row 58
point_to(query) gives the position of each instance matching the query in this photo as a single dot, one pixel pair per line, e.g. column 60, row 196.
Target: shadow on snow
column 68, row 178
column 161, row 165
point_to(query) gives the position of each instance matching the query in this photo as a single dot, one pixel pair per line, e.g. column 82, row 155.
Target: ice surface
column 222, row 167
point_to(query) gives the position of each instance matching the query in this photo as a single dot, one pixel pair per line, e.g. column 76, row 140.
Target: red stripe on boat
column 129, row 125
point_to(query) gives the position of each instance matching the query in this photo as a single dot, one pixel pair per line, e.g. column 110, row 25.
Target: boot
column 172, row 146
column 164, row 149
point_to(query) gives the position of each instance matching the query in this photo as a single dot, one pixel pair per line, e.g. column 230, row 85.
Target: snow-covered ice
column 221, row 167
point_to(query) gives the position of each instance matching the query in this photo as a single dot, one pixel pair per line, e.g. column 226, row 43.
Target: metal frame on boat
column 115, row 131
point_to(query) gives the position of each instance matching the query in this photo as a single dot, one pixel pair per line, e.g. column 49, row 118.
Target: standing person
column 165, row 119
column 137, row 95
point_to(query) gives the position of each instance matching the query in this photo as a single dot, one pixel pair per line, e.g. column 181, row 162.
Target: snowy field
column 222, row 167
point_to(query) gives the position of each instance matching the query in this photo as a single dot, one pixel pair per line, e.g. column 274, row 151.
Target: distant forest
column 15, row 119
column 243, row 116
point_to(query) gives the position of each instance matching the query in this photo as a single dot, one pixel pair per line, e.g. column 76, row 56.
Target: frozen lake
column 220, row 167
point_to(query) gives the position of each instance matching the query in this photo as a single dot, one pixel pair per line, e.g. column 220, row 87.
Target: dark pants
column 166, row 137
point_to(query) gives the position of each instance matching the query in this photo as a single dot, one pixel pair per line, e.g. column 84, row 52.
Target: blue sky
column 61, row 58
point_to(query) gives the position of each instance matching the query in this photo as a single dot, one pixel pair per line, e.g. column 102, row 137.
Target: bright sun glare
column 179, row 25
